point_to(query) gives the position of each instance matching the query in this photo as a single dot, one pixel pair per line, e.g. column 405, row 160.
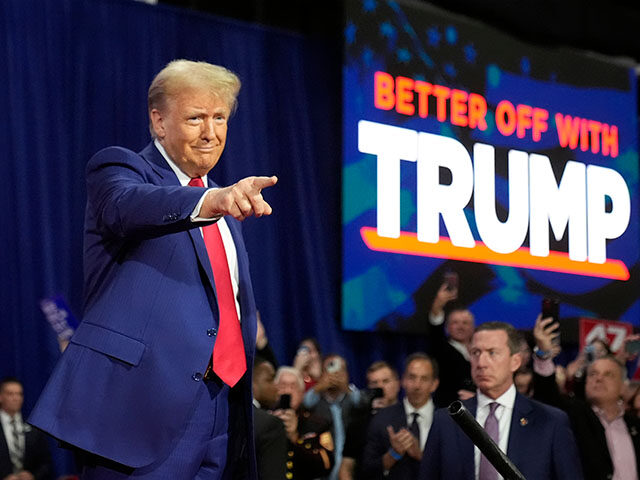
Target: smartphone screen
column 451, row 279
column 550, row 308
column 285, row 402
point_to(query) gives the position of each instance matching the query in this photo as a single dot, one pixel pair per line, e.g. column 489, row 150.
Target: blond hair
column 181, row 74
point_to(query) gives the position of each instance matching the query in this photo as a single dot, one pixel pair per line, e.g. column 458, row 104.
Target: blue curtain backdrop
column 74, row 80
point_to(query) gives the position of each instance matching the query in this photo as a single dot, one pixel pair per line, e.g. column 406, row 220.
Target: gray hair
column 621, row 366
column 293, row 371
column 513, row 336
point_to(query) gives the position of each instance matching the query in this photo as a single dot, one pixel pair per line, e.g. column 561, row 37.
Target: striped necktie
column 16, row 452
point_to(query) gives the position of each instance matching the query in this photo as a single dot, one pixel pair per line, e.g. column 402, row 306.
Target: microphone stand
column 484, row 442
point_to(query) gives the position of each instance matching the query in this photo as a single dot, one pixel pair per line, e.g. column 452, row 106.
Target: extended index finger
column 263, row 182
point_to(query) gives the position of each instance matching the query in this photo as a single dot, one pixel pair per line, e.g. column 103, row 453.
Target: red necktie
column 229, row 361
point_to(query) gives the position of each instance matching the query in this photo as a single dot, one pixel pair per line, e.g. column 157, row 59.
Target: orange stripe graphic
column 408, row 244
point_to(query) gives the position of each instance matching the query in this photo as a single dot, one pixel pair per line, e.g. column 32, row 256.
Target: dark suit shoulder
column 265, row 422
column 112, row 154
column 554, row 413
column 442, row 417
column 392, row 415
column 148, row 158
column 632, row 421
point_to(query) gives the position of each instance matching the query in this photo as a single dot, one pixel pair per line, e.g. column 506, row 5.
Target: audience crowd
column 576, row 421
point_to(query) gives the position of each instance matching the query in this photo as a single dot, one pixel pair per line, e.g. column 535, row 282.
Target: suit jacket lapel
column 467, row 451
column 167, row 177
column 203, row 256
column 402, row 415
column 5, row 459
column 519, row 431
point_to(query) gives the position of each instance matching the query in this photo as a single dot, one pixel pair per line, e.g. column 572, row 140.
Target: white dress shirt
column 425, row 418
column 225, row 233
column 503, row 413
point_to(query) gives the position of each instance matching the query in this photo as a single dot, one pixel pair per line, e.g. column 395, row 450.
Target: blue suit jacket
column 378, row 444
column 127, row 381
column 540, row 444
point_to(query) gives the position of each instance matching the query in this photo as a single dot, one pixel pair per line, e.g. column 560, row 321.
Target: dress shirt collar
column 183, row 178
column 425, row 418
column 602, row 415
column 507, row 399
column 460, row 347
column 424, row 411
column 6, row 418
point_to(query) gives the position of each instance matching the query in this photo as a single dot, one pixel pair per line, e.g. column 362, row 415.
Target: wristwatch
column 541, row 354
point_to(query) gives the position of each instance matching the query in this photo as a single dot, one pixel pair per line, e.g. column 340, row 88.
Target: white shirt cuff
column 436, row 319
column 195, row 215
column 545, row 368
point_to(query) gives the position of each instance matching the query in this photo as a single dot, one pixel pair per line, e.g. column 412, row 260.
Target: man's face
column 460, row 325
column 418, row 382
column 492, row 364
column 11, row 398
column 604, row 384
column 288, row 384
column 264, row 389
column 192, row 128
column 385, row 379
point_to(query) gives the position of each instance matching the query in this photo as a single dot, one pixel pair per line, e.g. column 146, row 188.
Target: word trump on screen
column 590, row 202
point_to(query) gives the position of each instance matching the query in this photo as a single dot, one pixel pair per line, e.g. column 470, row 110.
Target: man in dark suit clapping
column 397, row 434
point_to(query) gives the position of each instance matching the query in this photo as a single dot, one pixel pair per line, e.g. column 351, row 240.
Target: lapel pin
column 523, row 422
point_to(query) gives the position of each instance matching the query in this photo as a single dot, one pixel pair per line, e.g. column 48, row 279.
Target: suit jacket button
column 197, row 376
column 212, row 332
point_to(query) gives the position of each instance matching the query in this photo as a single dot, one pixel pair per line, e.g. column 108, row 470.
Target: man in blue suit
column 138, row 390
column 537, row 438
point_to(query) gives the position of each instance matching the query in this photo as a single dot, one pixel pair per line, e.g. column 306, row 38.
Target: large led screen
column 467, row 150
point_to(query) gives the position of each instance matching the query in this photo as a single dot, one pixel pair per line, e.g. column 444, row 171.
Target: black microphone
column 484, row 442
